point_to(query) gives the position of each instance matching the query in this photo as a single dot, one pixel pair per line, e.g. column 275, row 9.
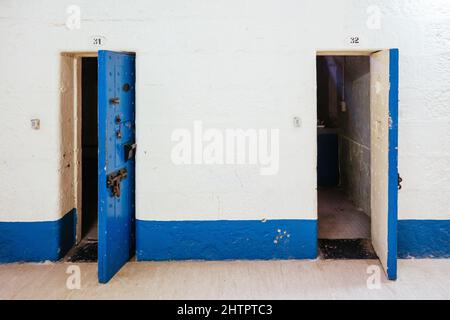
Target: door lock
column 113, row 181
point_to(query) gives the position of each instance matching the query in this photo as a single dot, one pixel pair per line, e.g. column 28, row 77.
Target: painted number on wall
column 354, row 40
column 97, row 41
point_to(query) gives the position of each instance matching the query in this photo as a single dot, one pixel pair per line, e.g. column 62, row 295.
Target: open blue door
column 384, row 152
column 116, row 162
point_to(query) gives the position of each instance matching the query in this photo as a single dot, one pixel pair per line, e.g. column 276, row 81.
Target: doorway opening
column 98, row 149
column 87, row 247
column 85, row 158
column 344, row 157
column 89, row 146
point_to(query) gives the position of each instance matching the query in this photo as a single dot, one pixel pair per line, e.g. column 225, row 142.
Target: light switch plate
column 35, row 124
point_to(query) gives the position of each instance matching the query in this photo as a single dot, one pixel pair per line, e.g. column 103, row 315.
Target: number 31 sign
column 97, row 41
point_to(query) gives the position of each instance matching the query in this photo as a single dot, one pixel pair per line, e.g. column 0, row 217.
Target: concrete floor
column 339, row 218
column 293, row 279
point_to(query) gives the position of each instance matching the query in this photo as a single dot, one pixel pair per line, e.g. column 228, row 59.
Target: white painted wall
column 231, row 64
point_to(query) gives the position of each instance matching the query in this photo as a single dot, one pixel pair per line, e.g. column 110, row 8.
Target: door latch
column 399, row 181
column 113, row 181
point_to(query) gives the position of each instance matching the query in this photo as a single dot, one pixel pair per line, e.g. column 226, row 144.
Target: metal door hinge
column 399, row 181
column 113, row 181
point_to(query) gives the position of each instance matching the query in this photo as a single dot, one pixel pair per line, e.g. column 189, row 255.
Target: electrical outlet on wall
column 297, row 122
column 35, row 124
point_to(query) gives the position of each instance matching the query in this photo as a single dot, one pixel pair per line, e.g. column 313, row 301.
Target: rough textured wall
column 231, row 64
column 354, row 133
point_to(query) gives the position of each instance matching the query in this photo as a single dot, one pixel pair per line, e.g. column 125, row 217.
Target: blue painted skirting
column 226, row 239
column 211, row 240
column 424, row 238
column 37, row 241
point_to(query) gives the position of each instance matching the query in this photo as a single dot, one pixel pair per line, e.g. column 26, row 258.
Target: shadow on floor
column 346, row 249
column 86, row 251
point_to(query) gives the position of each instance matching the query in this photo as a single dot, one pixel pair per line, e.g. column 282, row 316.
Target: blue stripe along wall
column 254, row 239
column 226, row 239
column 37, row 241
column 424, row 238
column 212, row 240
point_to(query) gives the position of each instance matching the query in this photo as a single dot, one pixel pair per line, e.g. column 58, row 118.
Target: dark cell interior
column 89, row 142
column 343, row 153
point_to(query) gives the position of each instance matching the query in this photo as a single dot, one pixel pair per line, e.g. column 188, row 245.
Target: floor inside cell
column 339, row 218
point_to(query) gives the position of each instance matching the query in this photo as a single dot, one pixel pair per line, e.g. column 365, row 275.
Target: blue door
column 394, row 183
column 116, row 161
column 383, row 156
